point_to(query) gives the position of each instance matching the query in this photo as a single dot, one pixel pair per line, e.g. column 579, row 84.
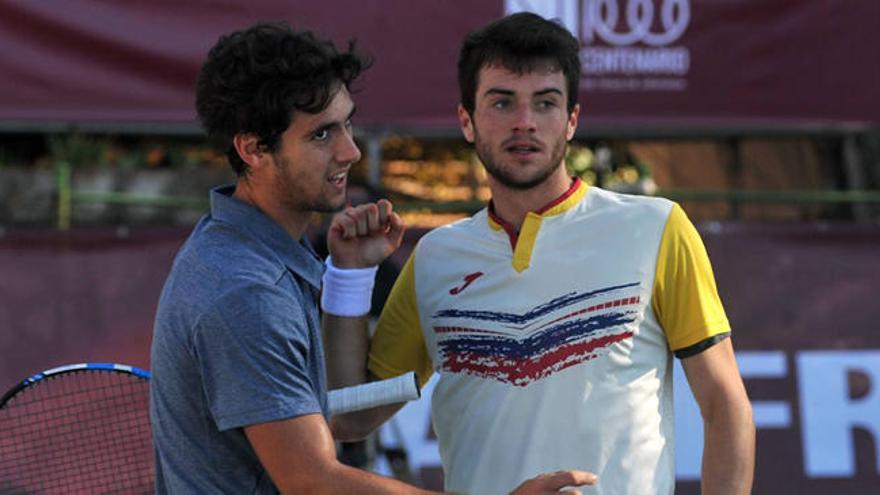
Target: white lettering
column 675, row 61
column 615, row 22
column 623, row 38
column 601, row 17
column 828, row 414
column 564, row 11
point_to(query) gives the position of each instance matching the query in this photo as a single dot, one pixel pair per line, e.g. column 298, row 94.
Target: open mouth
column 338, row 179
column 523, row 149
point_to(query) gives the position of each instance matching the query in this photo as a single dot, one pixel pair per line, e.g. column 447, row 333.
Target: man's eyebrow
column 499, row 91
column 329, row 125
column 547, row 91
column 508, row 92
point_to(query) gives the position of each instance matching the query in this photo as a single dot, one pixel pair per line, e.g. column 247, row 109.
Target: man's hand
column 554, row 482
column 363, row 236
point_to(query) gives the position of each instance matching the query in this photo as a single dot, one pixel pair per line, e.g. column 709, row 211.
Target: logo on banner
column 626, row 45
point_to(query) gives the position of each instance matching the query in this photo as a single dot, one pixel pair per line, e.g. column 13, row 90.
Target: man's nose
column 524, row 120
column 347, row 151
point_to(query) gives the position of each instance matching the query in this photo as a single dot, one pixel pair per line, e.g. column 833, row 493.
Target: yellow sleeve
column 398, row 346
column 685, row 298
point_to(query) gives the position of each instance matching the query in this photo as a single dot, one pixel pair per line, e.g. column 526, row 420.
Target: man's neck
column 293, row 223
column 512, row 205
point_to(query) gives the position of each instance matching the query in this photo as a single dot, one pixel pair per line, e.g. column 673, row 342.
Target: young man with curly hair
column 238, row 394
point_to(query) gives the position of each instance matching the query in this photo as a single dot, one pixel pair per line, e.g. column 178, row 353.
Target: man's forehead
column 495, row 73
column 339, row 105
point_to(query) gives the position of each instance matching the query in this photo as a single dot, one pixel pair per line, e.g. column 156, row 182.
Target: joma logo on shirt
column 468, row 280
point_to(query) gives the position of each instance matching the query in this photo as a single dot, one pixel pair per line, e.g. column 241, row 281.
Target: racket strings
column 80, row 432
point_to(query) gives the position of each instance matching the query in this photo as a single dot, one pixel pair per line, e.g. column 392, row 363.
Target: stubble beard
column 506, row 176
column 294, row 194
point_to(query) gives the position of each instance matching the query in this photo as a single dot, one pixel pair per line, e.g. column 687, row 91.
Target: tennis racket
column 77, row 429
column 379, row 393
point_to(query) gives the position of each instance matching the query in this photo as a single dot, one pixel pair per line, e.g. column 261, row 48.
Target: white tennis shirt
column 554, row 344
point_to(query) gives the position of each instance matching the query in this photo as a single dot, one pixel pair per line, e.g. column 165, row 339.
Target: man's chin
column 332, row 206
column 520, row 183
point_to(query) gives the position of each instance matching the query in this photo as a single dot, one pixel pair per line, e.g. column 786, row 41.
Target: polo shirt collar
column 522, row 242
column 297, row 256
column 563, row 203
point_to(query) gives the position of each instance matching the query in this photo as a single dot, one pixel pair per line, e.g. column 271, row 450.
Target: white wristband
column 347, row 292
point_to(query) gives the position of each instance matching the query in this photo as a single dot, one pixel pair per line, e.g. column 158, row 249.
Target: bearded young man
column 552, row 316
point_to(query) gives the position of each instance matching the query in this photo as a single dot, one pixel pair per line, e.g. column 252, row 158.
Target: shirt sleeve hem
column 265, row 415
column 694, row 337
column 701, row 346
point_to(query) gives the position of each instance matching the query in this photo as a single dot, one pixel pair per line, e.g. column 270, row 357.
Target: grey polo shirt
column 236, row 342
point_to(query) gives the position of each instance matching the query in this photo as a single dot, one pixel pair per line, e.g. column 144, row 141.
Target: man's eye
column 321, row 135
column 545, row 104
column 501, row 104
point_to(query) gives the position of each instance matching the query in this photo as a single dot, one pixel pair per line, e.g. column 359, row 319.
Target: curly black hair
column 255, row 79
column 518, row 42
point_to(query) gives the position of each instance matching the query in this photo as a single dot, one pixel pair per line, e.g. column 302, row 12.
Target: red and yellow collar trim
column 564, row 202
column 522, row 241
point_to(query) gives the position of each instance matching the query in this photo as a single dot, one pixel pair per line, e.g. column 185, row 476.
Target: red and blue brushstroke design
column 590, row 323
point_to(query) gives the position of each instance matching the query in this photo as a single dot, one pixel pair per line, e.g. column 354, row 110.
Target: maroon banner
column 801, row 300
column 685, row 63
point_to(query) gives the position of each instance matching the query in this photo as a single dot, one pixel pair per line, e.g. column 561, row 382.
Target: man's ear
column 572, row 124
column 466, row 123
column 248, row 148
